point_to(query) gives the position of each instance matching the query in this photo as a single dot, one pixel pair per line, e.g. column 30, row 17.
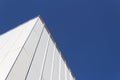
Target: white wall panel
column 7, row 63
column 68, row 74
column 20, row 68
column 12, row 47
column 36, row 67
column 56, row 66
column 62, row 70
column 33, row 40
column 48, row 62
column 38, row 59
column 13, row 35
column 39, row 27
column 25, row 56
column 65, row 72
column 71, row 76
column 11, row 41
column 60, row 58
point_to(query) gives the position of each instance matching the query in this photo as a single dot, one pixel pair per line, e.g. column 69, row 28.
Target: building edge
column 55, row 45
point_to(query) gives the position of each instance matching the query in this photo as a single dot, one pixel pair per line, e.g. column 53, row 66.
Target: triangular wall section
column 31, row 54
column 11, row 44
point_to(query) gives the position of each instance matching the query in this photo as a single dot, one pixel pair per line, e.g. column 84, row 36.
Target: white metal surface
column 39, row 58
column 56, row 66
column 68, row 74
column 48, row 62
column 62, row 70
column 11, row 43
column 28, row 52
column 26, row 55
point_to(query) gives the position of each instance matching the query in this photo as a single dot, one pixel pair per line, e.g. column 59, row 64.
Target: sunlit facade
column 28, row 52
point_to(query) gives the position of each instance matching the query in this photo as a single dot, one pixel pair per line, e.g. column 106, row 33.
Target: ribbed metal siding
column 39, row 58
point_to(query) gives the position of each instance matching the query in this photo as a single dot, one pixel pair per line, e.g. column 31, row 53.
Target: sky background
column 86, row 31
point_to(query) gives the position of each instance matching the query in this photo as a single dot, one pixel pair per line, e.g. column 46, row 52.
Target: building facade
column 28, row 52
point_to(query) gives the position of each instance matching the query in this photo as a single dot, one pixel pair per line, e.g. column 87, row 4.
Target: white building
column 28, row 52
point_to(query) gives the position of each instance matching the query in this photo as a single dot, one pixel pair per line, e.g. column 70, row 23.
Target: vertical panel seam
column 34, row 53
column 21, row 49
column 44, row 59
column 65, row 72
column 55, row 43
column 53, row 62
column 59, row 67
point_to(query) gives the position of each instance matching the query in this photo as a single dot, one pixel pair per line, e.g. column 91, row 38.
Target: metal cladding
column 28, row 52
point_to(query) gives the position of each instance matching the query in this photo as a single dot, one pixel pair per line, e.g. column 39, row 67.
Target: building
column 28, row 52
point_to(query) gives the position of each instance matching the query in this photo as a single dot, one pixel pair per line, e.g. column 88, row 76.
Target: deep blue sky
column 86, row 31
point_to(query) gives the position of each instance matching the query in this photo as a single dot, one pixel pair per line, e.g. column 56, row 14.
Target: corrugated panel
column 48, row 62
column 56, row 66
column 65, row 72
column 22, row 64
column 10, row 49
column 62, row 70
column 36, row 67
column 39, row 58
column 68, row 74
column 20, row 68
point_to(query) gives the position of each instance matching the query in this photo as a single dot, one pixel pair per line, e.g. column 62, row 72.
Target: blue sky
column 86, row 31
